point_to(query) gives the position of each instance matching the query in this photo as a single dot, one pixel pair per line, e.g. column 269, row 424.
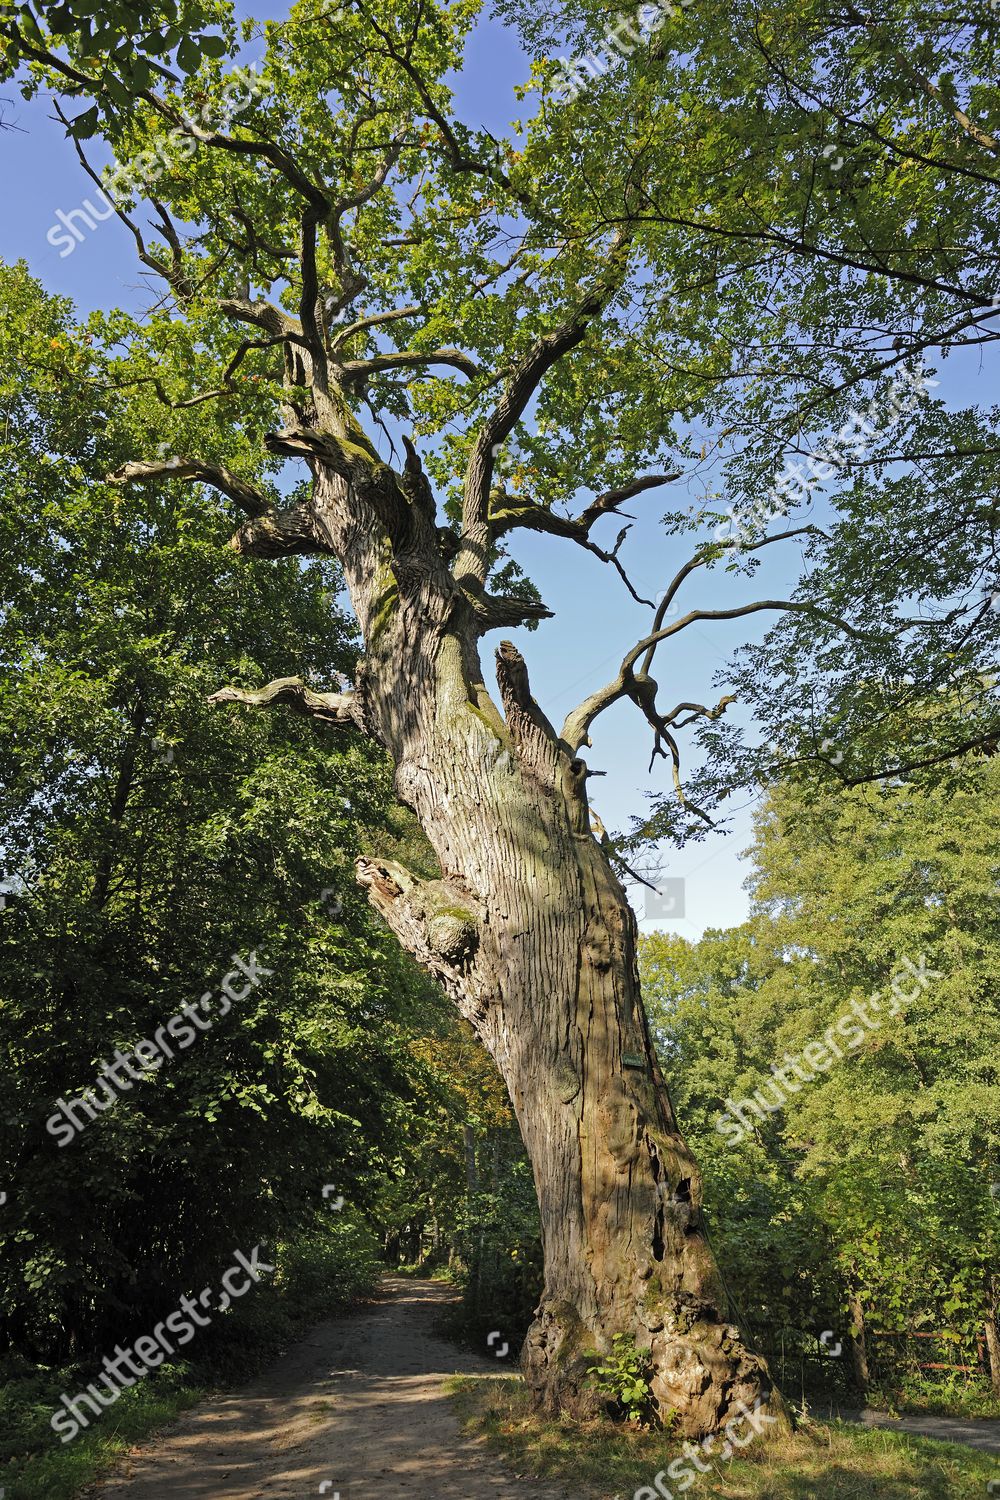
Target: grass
column 954, row 1399
column 822, row 1461
column 38, row 1469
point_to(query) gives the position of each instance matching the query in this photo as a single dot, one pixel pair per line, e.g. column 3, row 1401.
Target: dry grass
column 822, row 1461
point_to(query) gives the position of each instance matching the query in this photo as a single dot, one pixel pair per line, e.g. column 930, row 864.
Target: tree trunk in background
column 992, row 1335
column 471, row 1172
column 859, row 1349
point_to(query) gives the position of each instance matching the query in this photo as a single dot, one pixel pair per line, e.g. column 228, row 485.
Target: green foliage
column 622, row 1376
column 114, row 52
column 497, row 1243
column 147, row 838
column 461, row 1199
column 873, row 1180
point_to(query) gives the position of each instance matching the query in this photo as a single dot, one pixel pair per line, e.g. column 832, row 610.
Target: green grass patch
column 941, row 1399
column 822, row 1461
column 318, row 1275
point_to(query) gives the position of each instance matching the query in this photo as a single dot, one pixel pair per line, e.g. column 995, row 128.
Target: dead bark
column 990, row 1328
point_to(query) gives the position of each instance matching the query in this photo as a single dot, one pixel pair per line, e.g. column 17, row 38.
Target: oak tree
column 406, row 342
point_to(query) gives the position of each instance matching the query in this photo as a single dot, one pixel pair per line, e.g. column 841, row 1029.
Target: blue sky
column 595, row 620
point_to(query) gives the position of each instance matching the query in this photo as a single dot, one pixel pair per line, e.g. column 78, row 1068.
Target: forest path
column 356, row 1410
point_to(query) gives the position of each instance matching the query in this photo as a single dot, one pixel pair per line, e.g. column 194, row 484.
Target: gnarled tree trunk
column 530, row 932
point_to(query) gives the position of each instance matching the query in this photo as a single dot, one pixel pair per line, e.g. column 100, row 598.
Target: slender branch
column 642, row 689
column 988, row 742
column 612, row 558
column 374, row 320
column 282, row 160
column 177, row 283
column 697, row 711
column 700, row 559
column 461, row 160
column 518, row 391
column 675, row 768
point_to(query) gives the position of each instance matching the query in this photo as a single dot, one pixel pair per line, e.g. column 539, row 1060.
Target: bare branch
column 697, row 711
column 701, row 558
column 169, row 273
column 246, row 496
column 410, row 360
column 341, row 710
column 675, row 767
column 611, row 499
column 642, row 689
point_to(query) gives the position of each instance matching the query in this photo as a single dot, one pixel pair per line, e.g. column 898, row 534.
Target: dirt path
column 356, row 1411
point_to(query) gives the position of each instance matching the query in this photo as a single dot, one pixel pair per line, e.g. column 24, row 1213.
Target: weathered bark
column 990, row 1327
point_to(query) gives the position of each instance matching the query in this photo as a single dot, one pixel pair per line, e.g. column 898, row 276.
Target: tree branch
column 611, row 499
column 642, row 689
column 434, row 920
column 521, row 385
column 340, row 710
column 282, row 161
column 373, row 320
column 410, row 360
column 246, row 496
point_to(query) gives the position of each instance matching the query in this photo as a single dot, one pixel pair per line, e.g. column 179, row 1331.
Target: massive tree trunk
column 530, row 932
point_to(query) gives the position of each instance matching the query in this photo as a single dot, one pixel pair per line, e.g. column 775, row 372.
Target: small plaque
column 632, row 1060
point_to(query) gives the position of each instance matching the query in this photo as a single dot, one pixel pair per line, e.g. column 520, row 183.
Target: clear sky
column 595, row 622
